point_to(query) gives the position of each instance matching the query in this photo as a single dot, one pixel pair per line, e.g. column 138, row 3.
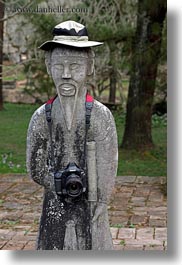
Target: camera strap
column 88, row 107
column 48, row 109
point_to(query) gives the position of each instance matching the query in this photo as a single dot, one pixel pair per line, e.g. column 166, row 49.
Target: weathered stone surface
column 156, row 203
column 118, row 247
column 122, row 196
column 122, row 220
column 126, row 233
column 68, row 140
column 19, row 245
column 140, row 192
column 134, row 247
column 138, row 219
column 143, row 242
column 152, row 180
column 140, row 213
column 161, row 233
column 154, row 247
column 4, row 187
column 125, row 189
column 139, row 203
column 114, row 232
column 157, row 222
column 126, row 179
column 145, row 233
column 156, row 197
column 138, row 199
column 2, row 243
column 29, row 246
column 118, row 213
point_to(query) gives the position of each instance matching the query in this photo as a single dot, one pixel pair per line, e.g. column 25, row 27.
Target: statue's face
column 69, row 71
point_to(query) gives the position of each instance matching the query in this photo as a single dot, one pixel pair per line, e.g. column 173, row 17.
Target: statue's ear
column 90, row 70
column 48, row 62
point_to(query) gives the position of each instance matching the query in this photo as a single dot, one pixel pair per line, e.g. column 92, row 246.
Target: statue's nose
column 66, row 73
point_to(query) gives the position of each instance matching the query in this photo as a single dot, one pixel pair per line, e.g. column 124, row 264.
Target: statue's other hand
column 100, row 209
column 49, row 181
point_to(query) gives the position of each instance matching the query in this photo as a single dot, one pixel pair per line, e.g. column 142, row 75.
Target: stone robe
column 58, row 213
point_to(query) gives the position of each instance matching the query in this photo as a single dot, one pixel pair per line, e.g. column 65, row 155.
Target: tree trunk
column 146, row 54
column 113, row 73
column 113, row 82
column 1, row 52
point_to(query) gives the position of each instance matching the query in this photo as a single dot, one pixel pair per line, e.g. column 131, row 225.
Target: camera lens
column 74, row 185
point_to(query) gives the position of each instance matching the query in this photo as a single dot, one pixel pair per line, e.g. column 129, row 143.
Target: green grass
column 144, row 163
column 14, row 120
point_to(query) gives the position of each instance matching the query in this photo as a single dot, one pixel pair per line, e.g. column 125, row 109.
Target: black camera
column 71, row 181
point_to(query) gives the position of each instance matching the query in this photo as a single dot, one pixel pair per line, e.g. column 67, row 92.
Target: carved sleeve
column 106, row 152
column 37, row 139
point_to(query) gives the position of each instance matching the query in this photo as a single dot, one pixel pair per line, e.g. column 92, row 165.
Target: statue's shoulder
column 101, row 111
column 103, row 123
column 38, row 119
column 40, row 112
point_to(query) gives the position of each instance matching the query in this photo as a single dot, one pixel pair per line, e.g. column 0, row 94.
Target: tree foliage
column 39, row 84
column 110, row 21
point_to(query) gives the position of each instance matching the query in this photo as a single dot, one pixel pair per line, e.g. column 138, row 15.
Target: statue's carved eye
column 59, row 67
column 74, row 66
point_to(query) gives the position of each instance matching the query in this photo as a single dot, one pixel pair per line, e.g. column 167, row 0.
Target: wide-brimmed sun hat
column 69, row 33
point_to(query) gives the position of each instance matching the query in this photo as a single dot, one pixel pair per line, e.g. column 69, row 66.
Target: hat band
column 70, row 38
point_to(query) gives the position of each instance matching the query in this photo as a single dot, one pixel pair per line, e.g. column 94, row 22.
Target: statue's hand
column 49, row 181
column 100, row 209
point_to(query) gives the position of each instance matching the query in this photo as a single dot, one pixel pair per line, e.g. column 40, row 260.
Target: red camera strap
column 88, row 107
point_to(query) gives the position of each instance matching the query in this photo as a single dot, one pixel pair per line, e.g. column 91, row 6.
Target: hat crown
column 70, row 28
column 69, row 33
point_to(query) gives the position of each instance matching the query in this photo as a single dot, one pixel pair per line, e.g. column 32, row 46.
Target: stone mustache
column 68, row 222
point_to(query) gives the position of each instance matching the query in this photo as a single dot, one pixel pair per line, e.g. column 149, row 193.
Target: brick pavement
column 137, row 213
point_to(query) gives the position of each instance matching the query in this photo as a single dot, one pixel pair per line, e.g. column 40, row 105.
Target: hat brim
column 48, row 45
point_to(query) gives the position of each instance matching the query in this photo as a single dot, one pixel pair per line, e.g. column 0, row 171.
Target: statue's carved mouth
column 67, row 90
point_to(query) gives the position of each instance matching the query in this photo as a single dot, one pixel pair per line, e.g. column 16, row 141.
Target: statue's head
column 69, row 58
column 70, row 68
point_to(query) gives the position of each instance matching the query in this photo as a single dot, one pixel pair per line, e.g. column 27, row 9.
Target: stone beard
column 66, row 224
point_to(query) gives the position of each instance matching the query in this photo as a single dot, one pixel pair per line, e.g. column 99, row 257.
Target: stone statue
column 81, row 159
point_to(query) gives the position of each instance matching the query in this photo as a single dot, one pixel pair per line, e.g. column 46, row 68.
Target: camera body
column 71, row 181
